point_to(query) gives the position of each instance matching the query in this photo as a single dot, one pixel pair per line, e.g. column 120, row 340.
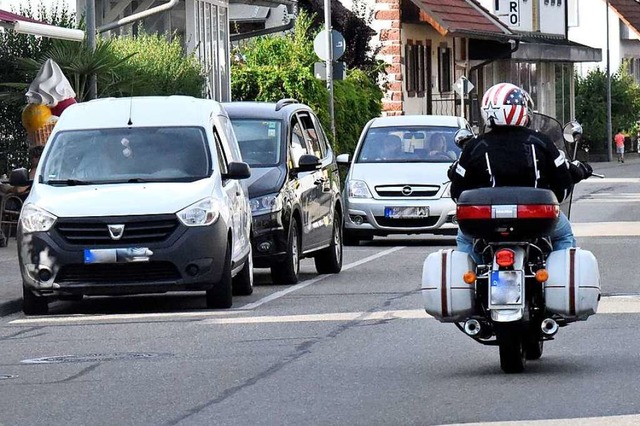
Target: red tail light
column 538, row 211
column 473, row 212
column 505, row 257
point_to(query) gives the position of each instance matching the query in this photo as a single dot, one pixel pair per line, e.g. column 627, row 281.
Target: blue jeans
column 561, row 238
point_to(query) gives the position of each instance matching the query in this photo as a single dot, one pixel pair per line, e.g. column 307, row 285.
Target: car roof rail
column 283, row 102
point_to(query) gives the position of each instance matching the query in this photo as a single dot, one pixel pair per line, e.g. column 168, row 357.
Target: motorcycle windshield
column 553, row 129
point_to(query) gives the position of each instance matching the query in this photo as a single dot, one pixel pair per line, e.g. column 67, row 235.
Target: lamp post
column 327, row 25
column 609, row 129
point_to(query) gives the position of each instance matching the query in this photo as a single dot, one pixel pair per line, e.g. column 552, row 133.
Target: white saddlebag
column 446, row 296
column 573, row 287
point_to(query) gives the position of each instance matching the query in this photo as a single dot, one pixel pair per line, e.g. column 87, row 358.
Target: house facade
column 430, row 44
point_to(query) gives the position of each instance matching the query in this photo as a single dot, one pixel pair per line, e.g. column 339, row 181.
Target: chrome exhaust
column 549, row 327
column 472, row 327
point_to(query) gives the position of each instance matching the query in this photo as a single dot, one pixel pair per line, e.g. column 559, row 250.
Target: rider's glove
column 580, row 170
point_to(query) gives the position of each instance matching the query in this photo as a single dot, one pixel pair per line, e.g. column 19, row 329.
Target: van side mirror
column 308, row 163
column 19, row 177
column 343, row 159
column 237, row 170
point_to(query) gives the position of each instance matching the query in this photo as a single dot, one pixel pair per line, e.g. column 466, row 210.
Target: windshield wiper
column 69, row 182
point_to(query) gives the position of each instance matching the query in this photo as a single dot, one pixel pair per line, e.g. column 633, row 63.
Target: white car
column 137, row 195
column 397, row 181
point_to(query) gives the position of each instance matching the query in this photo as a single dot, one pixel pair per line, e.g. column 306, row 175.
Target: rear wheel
column 512, row 349
column 243, row 282
column 32, row 304
column 533, row 345
column 329, row 260
column 286, row 272
column 220, row 295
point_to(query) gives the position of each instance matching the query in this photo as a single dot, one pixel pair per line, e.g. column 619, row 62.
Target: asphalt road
column 353, row 348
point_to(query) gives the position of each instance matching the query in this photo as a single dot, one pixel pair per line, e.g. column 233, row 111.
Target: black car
column 294, row 188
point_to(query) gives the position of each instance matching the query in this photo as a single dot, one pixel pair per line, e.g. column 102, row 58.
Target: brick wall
column 387, row 24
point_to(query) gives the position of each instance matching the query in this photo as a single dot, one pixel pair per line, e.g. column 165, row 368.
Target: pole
column 609, row 129
column 90, row 12
column 327, row 26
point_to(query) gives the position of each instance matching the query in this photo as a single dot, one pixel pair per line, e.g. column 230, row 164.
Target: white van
column 137, row 195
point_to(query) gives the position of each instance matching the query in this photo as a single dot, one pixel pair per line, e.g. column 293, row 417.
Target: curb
column 10, row 307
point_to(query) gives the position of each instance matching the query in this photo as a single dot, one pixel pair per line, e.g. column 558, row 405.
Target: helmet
column 505, row 104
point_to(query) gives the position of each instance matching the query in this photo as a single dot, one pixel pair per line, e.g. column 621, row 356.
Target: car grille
column 91, row 233
column 104, row 273
column 407, row 190
column 407, row 223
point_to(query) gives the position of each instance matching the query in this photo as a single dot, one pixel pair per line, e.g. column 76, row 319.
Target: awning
column 462, row 18
column 248, row 13
column 25, row 25
column 551, row 48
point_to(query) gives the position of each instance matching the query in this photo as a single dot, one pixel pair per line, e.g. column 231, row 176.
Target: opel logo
column 116, row 231
column 407, row 190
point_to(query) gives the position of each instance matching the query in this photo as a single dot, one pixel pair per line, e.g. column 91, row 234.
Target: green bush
column 274, row 67
column 152, row 65
column 591, row 105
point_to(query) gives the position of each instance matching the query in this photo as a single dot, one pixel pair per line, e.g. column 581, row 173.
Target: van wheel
column 32, row 304
column 329, row 260
column 287, row 272
column 243, row 282
column 220, row 295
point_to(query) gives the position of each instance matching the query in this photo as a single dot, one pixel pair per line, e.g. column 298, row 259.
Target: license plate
column 117, row 255
column 506, row 288
column 406, row 212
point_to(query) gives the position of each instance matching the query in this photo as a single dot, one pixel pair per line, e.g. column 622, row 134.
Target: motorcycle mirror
column 461, row 137
column 571, row 131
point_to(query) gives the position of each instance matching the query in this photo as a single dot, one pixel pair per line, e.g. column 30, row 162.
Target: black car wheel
column 286, row 272
column 220, row 295
column 329, row 260
column 32, row 304
column 243, row 282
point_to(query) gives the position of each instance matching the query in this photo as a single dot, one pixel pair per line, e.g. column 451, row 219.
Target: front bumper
column 370, row 211
column 190, row 258
column 269, row 239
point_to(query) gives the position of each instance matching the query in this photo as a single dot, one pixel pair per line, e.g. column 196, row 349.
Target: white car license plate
column 506, row 288
column 406, row 212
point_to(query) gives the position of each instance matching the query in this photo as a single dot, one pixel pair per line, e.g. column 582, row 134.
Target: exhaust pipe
column 472, row 327
column 549, row 327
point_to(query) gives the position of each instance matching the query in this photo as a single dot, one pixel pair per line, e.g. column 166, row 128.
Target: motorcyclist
column 510, row 154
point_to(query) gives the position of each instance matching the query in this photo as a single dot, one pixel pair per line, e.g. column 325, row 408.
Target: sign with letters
column 508, row 11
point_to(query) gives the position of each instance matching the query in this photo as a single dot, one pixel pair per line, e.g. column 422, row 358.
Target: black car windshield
column 144, row 154
column 409, row 144
column 259, row 141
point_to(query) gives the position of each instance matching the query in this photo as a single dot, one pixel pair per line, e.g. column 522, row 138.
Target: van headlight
column 269, row 203
column 358, row 189
column 35, row 219
column 203, row 213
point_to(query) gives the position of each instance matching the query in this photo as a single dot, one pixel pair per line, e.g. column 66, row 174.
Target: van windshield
column 409, row 144
column 144, row 154
column 259, row 141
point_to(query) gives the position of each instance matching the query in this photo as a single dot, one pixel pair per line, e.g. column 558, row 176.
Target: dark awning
column 551, row 48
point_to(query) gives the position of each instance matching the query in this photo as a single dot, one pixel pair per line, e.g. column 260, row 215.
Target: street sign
column 463, row 86
column 320, row 45
column 339, row 70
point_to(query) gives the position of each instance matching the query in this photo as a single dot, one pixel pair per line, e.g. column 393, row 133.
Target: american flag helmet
column 506, row 104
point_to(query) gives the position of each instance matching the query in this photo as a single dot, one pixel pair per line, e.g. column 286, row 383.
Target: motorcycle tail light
column 505, row 257
column 538, row 211
column 473, row 212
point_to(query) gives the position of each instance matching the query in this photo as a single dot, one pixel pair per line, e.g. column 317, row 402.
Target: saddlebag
column 446, row 296
column 573, row 287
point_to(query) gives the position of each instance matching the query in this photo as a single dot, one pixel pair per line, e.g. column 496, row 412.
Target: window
column 311, row 135
column 324, row 144
column 415, row 62
column 298, row 146
column 444, row 69
column 222, row 158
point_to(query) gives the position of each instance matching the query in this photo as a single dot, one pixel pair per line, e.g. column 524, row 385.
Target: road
column 353, row 348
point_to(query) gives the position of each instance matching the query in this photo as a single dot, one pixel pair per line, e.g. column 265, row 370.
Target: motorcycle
column 522, row 291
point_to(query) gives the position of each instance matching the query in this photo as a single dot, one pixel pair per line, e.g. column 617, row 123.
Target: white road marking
column 307, row 283
column 606, row 229
column 627, row 420
column 608, row 305
column 610, row 180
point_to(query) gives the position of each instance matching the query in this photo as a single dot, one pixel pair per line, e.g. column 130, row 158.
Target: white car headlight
column 358, row 189
column 266, row 204
column 35, row 219
column 203, row 213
